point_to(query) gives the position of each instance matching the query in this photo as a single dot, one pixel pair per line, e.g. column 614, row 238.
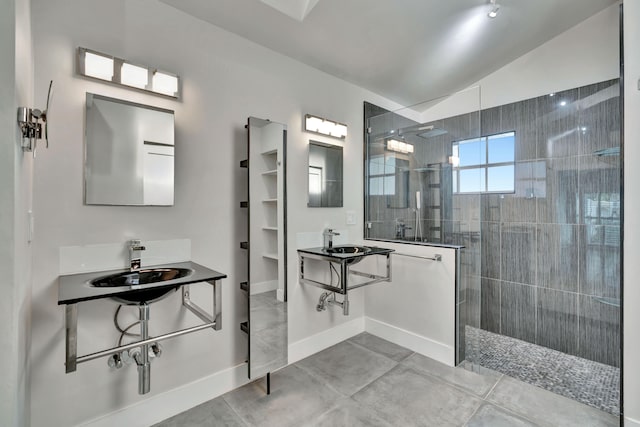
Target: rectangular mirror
column 129, row 153
column 325, row 175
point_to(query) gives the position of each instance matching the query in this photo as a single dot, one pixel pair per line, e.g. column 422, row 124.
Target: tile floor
column 592, row 383
column 367, row 381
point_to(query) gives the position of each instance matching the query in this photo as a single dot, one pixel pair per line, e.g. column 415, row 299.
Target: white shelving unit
column 266, row 245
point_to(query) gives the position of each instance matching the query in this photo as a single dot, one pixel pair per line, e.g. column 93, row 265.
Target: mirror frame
column 90, row 98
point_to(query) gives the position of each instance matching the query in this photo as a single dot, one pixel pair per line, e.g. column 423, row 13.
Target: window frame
column 484, row 166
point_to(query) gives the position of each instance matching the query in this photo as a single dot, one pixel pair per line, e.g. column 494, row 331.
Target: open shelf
column 270, row 201
column 270, row 228
column 270, row 172
column 272, row 256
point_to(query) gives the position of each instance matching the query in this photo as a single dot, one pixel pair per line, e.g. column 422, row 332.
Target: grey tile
column 490, row 119
column 599, row 116
column 466, row 207
column 490, row 307
column 517, row 246
column 490, row 249
column 557, row 123
column 521, row 205
column 473, row 303
column 557, row 256
column 214, row 413
column 600, row 188
column 592, row 383
column 521, row 118
column 464, row 126
column 348, row 413
column 599, row 254
column 556, row 199
column 547, row 408
column 458, row 377
column 407, row 398
column 381, row 346
column 347, row 367
column 557, row 320
column 599, row 329
column 492, row 416
column 518, row 311
column 490, row 207
column 517, row 208
column 462, row 315
column 296, row 396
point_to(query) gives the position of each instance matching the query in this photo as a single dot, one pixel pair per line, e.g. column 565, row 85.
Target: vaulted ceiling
column 406, row 50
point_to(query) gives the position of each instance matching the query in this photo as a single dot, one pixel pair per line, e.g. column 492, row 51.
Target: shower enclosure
column 532, row 191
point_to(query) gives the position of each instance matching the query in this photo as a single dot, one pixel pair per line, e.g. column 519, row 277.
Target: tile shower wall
column 550, row 252
column 541, row 264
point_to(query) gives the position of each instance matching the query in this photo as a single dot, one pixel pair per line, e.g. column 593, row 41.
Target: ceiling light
column 563, row 103
column 132, row 75
column 399, row 146
column 116, row 70
column 98, row 66
column 495, row 7
column 165, row 83
column 324, row 127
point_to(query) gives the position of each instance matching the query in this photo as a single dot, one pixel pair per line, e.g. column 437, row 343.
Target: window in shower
column 484, row 165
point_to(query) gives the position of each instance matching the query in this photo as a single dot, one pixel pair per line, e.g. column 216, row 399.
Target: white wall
column 16, row 88
column 225, row 79
column 585, row 54
column 631, row 320
column 417, row 308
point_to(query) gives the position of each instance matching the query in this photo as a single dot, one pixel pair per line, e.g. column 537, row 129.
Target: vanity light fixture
column 120, row 71
column 399, row 146
column 322, row 126
column 495, row 7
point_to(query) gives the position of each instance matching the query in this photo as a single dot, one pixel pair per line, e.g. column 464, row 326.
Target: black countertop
column 338, row 257
column 73, row 288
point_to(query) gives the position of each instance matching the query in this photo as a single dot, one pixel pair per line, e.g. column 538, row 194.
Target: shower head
column 425, row 132
column 433, row 132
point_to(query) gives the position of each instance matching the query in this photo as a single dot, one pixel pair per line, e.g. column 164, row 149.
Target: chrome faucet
column 327, row 235
column 135, row 249
column 401, row 228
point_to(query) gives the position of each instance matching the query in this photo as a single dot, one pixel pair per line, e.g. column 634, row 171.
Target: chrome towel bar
column 436, row 257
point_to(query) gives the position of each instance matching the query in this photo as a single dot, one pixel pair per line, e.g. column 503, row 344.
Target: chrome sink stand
column 213, row 321
column 345, row 271
column 144, row 365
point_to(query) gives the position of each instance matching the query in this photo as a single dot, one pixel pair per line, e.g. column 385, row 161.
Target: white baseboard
column 325, row 339
column 174, row 401
column 423, row 345
column 630, row 422
column 262, row 287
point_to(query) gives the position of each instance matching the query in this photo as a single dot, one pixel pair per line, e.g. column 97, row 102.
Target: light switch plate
column 351, row 218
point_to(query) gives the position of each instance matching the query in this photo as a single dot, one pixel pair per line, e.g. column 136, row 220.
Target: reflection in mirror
column 267, row 276
column 268, row 342
column 325, row 175
column 129, row 153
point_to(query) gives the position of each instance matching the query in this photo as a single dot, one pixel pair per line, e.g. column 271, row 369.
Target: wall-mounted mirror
column 325, row 175
column 129, row 153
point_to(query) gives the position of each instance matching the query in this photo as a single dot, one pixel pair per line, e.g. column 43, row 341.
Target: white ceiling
column 408, row 51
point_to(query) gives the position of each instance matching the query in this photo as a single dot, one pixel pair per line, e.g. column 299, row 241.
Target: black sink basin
column 348, row 249
column 142, row 277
